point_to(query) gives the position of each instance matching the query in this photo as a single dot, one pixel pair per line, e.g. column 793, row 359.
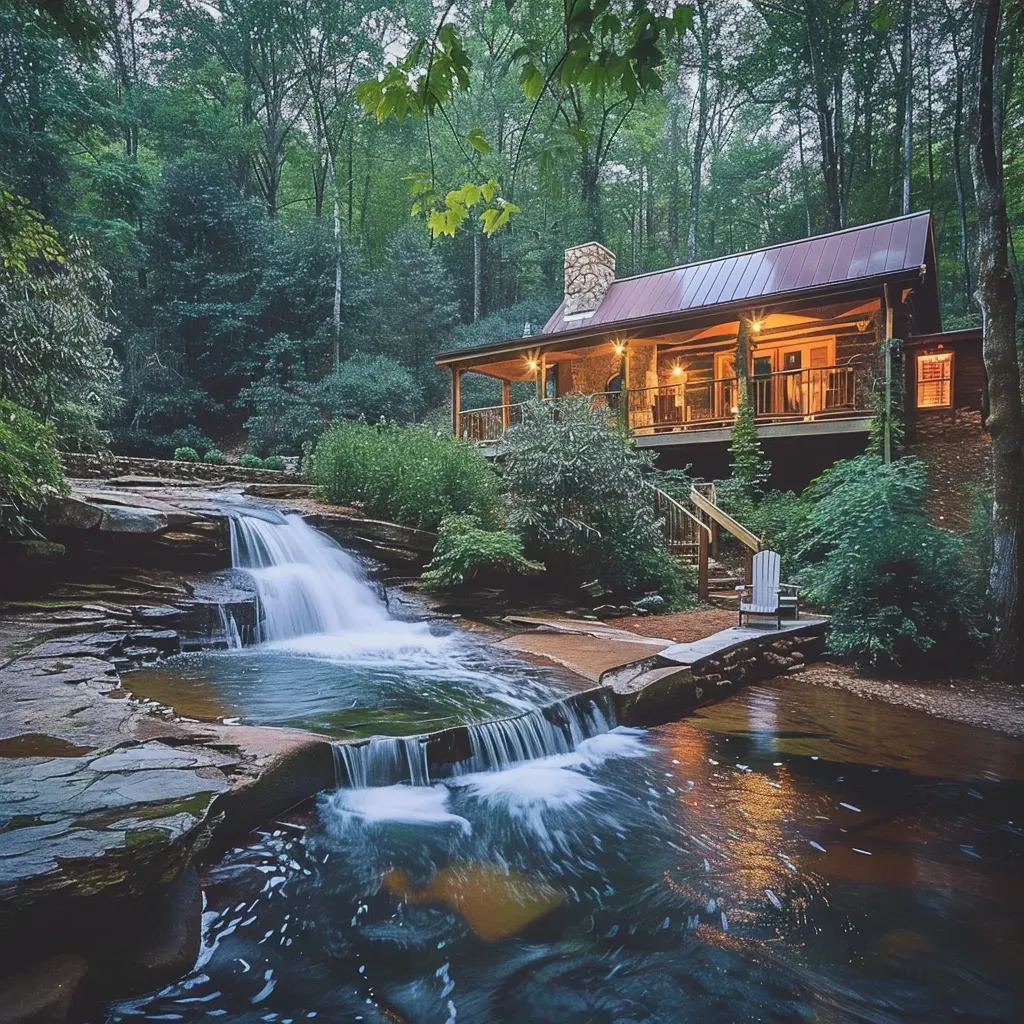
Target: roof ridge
column 767, row 248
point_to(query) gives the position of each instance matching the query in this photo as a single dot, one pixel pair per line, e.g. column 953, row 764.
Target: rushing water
column 794, row 854
column 327, row 654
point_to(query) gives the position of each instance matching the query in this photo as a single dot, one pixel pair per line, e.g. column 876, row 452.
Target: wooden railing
column 686, row 536
column 489, row 424
column 822, row 392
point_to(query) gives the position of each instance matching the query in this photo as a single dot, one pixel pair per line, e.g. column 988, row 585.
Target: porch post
column 456, row 399
column 624, row 392
column 542, row 376
column 702, row 563
column 506, row 404
column 743, row 361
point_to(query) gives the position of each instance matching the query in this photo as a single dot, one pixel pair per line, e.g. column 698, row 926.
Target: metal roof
column 842, row 257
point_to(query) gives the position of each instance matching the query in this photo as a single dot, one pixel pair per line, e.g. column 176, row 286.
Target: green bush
column 250, row 462
column 578, row 498
column 273, row 462
column 465, row 552
column 29, row 466
column 409, row 475
column 186, row 455
column 215, row 457
column 897, row 587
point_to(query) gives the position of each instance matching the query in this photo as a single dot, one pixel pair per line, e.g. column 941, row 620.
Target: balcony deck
column 823, row 400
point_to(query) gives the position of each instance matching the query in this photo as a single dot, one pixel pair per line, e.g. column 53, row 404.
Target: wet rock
column 166, row 641
column 30, row 552
column 69, row 512
column 132, row 520
column 278, row 490
column 43, row 993
column 162, row 615
column 168, row 938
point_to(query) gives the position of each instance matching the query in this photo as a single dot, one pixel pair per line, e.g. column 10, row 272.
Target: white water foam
column 420, row 805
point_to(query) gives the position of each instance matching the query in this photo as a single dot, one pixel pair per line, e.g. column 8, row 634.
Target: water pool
column 793, row 854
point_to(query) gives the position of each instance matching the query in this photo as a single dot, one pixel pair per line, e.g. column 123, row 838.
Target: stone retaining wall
column 86, row 466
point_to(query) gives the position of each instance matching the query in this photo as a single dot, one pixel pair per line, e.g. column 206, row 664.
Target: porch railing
column 809, row 394
column 487, row 425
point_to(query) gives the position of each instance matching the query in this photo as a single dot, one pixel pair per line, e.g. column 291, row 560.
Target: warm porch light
column 532, row 364
column 619, row 348
column 677, row 370
column 755, row 326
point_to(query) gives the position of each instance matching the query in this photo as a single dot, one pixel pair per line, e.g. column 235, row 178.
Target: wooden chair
column 766, row 595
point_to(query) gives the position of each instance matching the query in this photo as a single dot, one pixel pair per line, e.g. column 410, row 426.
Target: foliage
column 273, row 462
column 893, row 582
column 52, row 321
column 577, row 496
column 29, row 467
column 881, row 413
column 249, row 461
column 186, row 454
column 25, row 237
column 465, row 553
column 409, row 475
column 371, row 387
column 750, row 469
column 214, row 457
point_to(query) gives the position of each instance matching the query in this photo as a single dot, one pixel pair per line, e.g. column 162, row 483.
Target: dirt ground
column 979, row 702
column 680, row 627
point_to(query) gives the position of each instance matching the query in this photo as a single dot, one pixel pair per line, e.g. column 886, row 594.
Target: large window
column 935, row 380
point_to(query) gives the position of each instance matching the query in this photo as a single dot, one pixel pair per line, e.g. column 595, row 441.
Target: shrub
column 248, row 461
column 895, row 585
column 186, row 455
column 466, row 552
column 273, row 462
column 370, row 387
column 577, row 497
column 409, row 475
column 29, row 466
column 750, row 469
column 215, row 457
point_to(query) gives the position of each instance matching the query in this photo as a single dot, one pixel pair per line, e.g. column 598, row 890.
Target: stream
column 794, row 853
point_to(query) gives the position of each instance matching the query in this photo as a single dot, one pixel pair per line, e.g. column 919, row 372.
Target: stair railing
column 686, row 536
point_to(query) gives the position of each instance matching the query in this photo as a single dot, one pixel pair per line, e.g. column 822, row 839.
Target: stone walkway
column 732, row 638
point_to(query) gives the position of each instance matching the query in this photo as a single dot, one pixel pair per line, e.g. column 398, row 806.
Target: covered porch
column 810, row 366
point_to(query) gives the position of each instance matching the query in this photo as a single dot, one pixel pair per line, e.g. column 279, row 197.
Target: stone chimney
column 589, row 272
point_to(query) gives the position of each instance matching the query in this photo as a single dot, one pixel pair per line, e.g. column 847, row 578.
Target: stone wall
column 83, row 466
column 589, row 272
column 958, row 453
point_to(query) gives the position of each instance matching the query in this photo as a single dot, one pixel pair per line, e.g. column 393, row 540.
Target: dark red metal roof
column 842, row 257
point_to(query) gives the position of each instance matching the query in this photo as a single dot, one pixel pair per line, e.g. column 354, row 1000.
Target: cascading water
column 557, row 728
column 306, row 585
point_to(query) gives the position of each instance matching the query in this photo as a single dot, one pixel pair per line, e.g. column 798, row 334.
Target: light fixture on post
column 677, row 370
column 755, row 326
column 531, row 365
column 620, row 348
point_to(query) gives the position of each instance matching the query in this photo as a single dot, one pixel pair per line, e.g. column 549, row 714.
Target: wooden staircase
column 692, row 535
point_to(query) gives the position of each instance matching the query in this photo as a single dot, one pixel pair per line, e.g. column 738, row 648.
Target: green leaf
column 532, row 81
column 477, row 141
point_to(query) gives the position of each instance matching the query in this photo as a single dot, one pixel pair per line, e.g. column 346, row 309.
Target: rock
column 30, row 553
column 160, row 615
column 168, row 938
column 278, row 490
column 68, row 512
column 117, row 519
column 43, row 993
column 166, row 641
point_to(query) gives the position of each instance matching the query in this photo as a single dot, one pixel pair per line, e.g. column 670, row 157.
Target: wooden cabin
column 659, row 350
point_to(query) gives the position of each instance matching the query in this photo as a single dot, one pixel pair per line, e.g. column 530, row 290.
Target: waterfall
column 305, row 584
column 384, row 761
column 556, row 728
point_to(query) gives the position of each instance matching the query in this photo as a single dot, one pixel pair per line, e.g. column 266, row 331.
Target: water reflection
column 755, row 863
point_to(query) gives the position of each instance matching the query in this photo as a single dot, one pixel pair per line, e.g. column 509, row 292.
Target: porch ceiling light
column 619, row 348
column 532, row 364
column 755, row 326
column 677, row 370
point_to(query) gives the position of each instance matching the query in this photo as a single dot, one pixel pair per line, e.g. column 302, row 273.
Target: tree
column 998, row 300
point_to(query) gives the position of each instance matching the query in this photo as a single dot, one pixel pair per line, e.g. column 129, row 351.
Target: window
column 935, row 380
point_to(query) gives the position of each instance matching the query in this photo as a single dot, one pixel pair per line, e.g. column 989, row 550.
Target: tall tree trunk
column 908, row 104
column 961, row 192
column 803, row 165
column 476, row 276
column 697, row 160
column 336, row 305
column 673, row 160
column 998, row 302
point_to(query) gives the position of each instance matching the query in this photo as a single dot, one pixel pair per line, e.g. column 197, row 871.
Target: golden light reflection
column 494, row 903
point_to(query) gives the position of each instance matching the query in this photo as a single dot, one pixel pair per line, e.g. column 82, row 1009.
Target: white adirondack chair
column 766, row 595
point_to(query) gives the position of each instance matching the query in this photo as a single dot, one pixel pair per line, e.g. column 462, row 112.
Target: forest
column 244, row 218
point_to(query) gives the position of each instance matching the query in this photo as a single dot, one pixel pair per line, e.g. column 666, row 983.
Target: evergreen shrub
column 465, row 552
column 29, row 467
column 186, row 454
column 215, row 457
column 409, row 475
column 273, row 462
column 249, row 461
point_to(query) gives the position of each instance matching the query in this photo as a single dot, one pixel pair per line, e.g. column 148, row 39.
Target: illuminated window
column 935, row 380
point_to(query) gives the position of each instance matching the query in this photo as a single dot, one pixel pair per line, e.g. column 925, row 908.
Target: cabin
column 659, row 351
